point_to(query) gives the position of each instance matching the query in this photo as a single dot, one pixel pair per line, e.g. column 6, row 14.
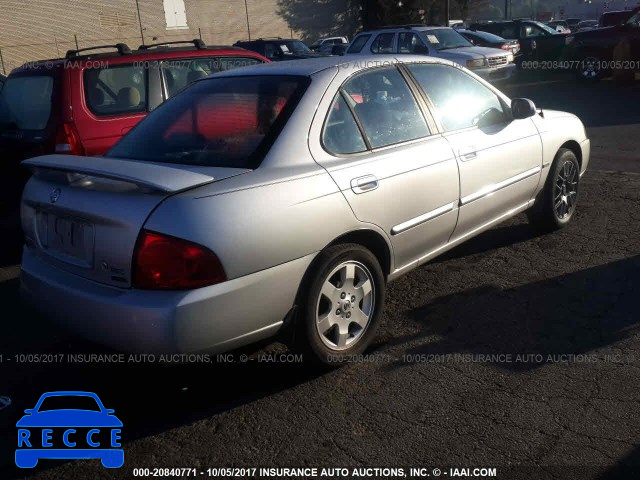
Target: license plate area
column 68, row 239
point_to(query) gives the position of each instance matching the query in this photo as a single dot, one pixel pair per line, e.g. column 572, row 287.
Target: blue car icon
column 79, row 433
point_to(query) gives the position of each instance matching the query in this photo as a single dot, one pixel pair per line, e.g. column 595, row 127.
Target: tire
column 589, row 70
column 338, row 317
column 556, row 205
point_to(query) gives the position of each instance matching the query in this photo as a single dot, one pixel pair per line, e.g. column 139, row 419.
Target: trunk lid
column 84, row 214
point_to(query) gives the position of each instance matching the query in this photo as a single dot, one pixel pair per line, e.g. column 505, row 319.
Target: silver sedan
column 280, row 199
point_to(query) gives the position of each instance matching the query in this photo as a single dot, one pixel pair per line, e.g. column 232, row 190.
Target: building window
column 175, row 14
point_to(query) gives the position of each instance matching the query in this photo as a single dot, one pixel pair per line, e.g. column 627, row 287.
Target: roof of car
column 406, row 27
column 311, row 66
column 146, row 53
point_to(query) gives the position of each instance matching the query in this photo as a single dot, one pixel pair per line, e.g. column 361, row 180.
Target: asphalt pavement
column 516, row 350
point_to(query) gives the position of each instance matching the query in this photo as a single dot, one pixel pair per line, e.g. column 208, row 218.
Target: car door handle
column 364, row 184
column 467, row 153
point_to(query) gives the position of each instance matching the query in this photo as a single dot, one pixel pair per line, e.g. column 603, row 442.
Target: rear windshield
column 25, row 102
column 221, row 122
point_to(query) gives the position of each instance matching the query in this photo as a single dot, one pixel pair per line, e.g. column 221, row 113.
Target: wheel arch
column 371, row 239
column 575, row 148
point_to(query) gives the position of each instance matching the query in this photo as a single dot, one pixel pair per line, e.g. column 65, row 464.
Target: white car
column 491, row 64
column 328, row 41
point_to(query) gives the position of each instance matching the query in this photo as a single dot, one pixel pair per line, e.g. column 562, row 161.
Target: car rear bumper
column 499, row 74
column 212, row 319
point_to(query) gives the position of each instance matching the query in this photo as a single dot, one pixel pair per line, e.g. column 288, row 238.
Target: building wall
column 40, row 29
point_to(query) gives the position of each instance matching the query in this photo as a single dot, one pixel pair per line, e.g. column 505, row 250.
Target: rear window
column 116, row 90
column 221, row 122
column 25, row 102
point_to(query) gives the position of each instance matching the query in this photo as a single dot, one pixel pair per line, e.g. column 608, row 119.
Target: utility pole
column 140, row 21
column 447, row 4
column 246, row 11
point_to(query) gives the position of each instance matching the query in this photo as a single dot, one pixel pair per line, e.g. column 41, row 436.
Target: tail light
column 68, row 140
column 163, row 262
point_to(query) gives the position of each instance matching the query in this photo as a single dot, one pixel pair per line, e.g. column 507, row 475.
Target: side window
column 229, row 63
column 179, row 73
column 385, row 107
column 407, row 42
column 509, row 32
column 460, row 101
column 116, row 90
column 527, row 31
column 340, row 134
column 383, row 43
column 358, row 44
column 271, row 51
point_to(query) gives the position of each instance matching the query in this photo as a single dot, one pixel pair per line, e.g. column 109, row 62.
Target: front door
column 499, row 158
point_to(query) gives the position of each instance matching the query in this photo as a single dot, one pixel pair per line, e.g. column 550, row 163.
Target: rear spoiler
column 161, row 177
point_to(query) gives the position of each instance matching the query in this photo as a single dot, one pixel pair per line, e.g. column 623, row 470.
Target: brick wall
column 40, row 29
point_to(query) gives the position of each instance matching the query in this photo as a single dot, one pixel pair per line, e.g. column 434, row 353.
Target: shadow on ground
column 572, row 314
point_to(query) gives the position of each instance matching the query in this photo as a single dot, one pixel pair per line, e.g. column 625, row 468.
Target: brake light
column 163, row 262
column 68, row 140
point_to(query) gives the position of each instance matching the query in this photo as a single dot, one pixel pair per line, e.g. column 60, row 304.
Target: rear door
column 112, row 99
column 500, row 159
column 386, row 158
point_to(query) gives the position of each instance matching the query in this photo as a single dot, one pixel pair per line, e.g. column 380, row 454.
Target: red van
column 82, row 104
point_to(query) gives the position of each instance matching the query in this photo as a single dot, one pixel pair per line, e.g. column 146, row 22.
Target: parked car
column 211, row 225
column 560, row 26
column 617, row 17
column 328, row 41
column 593, row 50
column 82, row 104
column 441, row 42
column 485, row 39
column 334, row 49
column 457, row 24
column 586, row 25
column 537, row 40
column 278, row 49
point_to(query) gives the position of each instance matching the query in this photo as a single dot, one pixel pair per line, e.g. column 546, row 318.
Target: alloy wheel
column 345, row 305
column 566, row 190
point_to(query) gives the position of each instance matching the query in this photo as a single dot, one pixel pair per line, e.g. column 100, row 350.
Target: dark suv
column 278, row 49
column 83, row 103
column 537, row 40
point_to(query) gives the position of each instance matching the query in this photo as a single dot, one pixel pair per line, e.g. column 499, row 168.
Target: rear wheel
column 557, row 203
column 341, row 306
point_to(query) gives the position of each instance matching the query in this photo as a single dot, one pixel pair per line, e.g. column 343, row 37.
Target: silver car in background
column 492, row 64
column 282, row 198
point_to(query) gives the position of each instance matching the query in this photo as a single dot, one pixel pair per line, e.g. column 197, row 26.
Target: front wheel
column 341, row 306
column 557, row 203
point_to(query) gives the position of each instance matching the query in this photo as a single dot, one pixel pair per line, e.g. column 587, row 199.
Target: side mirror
column 522, row 108
column 421, row 49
